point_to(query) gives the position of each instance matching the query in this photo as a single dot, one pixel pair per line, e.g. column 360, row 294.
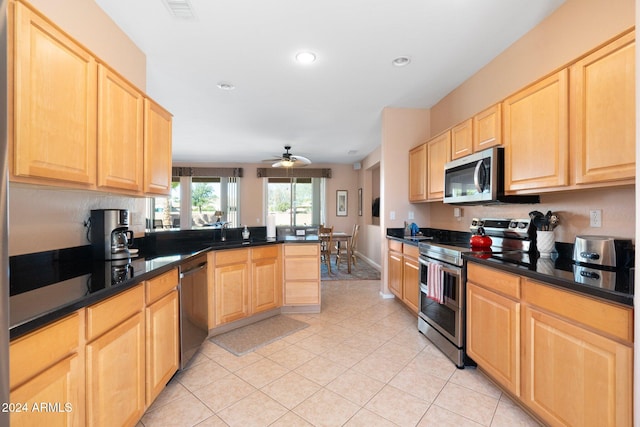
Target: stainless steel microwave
column 478, row 179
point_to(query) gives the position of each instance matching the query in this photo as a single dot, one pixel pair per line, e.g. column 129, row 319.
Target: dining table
column 340, row 237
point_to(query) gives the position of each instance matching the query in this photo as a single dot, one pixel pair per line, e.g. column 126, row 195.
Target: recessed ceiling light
column 305, row 57
column 225, row 86
column 401, row 61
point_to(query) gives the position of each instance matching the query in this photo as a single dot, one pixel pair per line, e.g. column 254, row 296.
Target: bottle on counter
column 245, row 233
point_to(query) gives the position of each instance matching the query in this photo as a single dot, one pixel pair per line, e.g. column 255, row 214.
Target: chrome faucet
column 223, row 232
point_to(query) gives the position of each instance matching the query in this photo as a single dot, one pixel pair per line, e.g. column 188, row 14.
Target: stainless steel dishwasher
column 193, row 307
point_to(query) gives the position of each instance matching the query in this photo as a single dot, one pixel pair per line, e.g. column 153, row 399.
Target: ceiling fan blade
column 300, row 159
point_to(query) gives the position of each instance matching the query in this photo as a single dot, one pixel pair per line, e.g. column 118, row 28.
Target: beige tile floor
column 361, row 362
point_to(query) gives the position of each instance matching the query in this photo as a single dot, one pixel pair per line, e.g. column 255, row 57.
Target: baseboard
column 369, row 261
column 300, row 309
column 387, row 295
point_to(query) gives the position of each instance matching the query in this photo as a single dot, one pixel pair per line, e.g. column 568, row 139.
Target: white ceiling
column 328, row 111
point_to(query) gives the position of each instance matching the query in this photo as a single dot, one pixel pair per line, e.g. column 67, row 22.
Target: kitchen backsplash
column 46, row 218
column 617, row 205
column 42, row 219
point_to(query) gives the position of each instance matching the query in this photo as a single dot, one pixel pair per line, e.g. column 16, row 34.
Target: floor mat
column 248, row 338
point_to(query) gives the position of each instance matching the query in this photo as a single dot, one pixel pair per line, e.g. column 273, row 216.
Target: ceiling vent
column 180, row 9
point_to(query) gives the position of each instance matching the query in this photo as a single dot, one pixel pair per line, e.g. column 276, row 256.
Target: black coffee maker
column 110, row 234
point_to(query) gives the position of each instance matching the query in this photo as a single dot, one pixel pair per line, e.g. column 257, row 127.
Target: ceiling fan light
column 287, row 163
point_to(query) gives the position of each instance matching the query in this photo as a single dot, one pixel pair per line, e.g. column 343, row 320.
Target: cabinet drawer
column 505, row 283
column 35, row 352
column 605, row 317
column 160, row 285
column 394, row 245
column 265, row 252
column 411, row 251
column 234, row 256
column 302, row 269
column 106, row 314
column 302, row 249
column 300, row 293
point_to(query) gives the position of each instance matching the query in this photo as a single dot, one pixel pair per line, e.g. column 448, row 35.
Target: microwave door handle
column 476, row 177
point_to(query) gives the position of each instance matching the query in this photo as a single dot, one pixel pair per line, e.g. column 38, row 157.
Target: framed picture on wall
column 359, row 201
column 341, row 202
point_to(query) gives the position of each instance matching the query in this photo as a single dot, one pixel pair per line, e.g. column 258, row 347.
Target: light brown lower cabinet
column 115, row 360
column 566, row 357
column 403, row 273
column 162, row 327
column 102, row 365
column 493, row 335
column 411, row 277
column 47, row 379
column 302, row 274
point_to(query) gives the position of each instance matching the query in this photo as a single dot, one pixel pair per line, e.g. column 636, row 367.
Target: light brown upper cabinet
column 418, row 174
column 604, row 114
column 536, row 135
column 438, row 154
column 157, row 149
column 53, row 99
column 120, row 132
column 487, row 128
column 462, row 139
column 74, row 123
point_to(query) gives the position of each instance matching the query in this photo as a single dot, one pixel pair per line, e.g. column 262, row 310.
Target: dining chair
column 340, row 250
column 325, row 245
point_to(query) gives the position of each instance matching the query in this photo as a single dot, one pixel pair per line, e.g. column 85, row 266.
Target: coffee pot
column 109, row 234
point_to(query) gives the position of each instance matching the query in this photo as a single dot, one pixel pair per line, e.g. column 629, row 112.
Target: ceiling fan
column 288, row 160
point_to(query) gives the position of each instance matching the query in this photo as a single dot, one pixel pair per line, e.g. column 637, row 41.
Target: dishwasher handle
column 193, row 270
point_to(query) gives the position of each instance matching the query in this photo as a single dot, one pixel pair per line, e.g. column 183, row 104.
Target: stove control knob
column 513, row 224
column 522, row 225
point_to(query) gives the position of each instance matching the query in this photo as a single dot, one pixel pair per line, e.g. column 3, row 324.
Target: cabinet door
column 574, row 376
column 493, row 335
column 266, row 285
column 157, row 149
column 395, row 273
column 411, row 283
column 54, row 394
column 536, row 135
column 55, row 102
column 438, row 153
column 162, row 344
column 231, row 293
column 487, row 128
column 115, row 375
column 120, row 132
column 462, row 139
column 418, row 174
column 604, row 114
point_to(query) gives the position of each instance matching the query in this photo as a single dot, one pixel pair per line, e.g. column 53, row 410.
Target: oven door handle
column 456, row 271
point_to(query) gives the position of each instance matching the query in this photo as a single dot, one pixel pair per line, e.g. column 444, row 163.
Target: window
column 206, row 197
column 295, row 201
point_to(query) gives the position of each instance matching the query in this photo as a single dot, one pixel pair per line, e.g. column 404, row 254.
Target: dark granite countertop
column 561, row 272
column 616, row 286
column 46, row 286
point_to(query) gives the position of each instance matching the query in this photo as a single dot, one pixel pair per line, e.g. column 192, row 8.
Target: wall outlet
column 595, row 218
column 411, row 216
column 392, row 215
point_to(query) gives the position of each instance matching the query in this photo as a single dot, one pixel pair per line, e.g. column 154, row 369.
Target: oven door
column 446, row 318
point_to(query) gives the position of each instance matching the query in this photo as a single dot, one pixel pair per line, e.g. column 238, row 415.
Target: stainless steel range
column 441, row 316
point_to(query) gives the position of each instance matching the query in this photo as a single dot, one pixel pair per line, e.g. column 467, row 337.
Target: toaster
column 604, row 251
